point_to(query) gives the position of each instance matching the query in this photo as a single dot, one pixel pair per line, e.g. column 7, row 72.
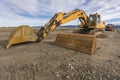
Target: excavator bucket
column 21, row 34
column 81, row 42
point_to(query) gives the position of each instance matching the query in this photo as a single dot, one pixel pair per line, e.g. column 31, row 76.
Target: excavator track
column 89, row 31
column 96, row 32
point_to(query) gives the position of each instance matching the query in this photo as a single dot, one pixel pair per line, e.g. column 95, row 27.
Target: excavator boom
column 61, row 18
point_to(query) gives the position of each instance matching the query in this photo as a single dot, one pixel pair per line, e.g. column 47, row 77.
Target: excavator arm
column 49, row 26
column 61, row 18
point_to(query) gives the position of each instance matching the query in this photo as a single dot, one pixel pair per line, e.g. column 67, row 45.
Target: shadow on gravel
column 2, row 43
column 22, row 44
column 51, row 43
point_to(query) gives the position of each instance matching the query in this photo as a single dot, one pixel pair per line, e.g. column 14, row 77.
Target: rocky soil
column 46, row 61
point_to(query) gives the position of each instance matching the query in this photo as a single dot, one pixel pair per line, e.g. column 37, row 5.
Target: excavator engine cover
column 21, row 34
column 81, row 42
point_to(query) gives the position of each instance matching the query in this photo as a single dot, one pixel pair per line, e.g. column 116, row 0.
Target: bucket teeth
column 21, row 34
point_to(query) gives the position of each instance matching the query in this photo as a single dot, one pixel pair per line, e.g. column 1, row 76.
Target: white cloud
column 30, row 6
column 35, row 12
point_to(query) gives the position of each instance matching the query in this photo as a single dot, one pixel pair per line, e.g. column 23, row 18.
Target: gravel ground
column 46, row 61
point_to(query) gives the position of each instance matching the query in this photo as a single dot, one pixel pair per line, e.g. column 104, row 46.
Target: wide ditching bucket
column 21, row 34
column 81, row 42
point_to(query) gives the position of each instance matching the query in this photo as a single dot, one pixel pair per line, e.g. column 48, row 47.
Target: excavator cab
column 94, row 19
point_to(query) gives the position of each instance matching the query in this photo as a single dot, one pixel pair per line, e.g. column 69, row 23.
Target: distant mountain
column 117, row 25
column 75, row 26
column 37, row 26
column 67, row 26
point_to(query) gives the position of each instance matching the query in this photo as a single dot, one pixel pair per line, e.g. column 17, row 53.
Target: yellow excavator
column 89, row 25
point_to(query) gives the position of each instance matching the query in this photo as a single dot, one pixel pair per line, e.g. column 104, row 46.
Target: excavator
column 109, row 27
column 84, row 37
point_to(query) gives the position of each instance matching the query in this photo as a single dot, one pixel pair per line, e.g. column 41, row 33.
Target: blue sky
column 38, row 12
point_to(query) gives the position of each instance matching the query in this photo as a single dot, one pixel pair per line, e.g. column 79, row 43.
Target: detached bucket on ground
column 21, row 34
column 80, row 42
